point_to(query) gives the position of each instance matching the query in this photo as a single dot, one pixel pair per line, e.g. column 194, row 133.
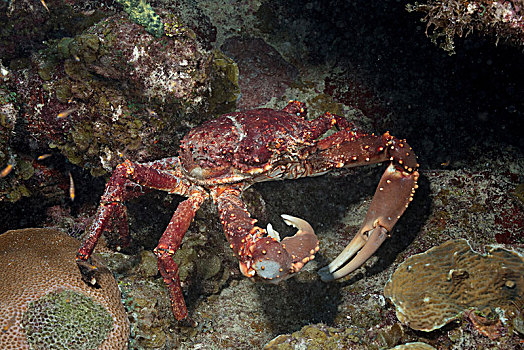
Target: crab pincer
column 261, row 253
column 274, row 260
column 394, row 193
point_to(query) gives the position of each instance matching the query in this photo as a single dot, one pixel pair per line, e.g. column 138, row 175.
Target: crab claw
column 394, row 193
column 274, row 260
column 364, row 244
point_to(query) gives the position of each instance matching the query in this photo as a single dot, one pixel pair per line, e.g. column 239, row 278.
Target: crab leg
column 170, row 242
column 130, row 180
column 111, row 206
column 394, row 192
column 261, row 253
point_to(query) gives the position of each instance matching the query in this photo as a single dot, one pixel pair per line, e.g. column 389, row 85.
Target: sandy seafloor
column 463, row 116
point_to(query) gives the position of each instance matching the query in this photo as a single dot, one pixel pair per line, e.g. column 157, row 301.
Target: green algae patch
column 142, row 13
column 519, row 193
column 224, row 83
column 66, row 320
column 173, row 27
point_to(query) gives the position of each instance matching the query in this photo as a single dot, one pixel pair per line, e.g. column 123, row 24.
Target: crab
column 221, row 158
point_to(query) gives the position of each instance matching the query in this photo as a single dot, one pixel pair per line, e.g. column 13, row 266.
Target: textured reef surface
column 433, row 288
column 86, row 84
column 44, row 302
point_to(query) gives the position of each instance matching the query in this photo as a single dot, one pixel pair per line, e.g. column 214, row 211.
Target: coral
column 27, row 176
column 64, row 319
column 481, row 203
column 38, row 272
column 142, row 13
column 174, row 27
column 123, row 93
column 450, row 18
column 8, row 113
column 433, row 288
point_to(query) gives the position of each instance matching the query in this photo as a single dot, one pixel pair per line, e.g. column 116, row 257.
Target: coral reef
column 449, row 18
column 461, row 113
column 28, row 24
column 8, row 114
column 38, row 273
column 64, row 101
column 12, row 185
column 318, row 337
column 206, row 266
column 115, row 91
column 477, row 202
column 433, row 288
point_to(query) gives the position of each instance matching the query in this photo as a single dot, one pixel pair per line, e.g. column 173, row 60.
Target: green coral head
column 65, row 319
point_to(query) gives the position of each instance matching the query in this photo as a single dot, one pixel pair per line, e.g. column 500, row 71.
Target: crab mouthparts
column 364, row 245
column 274, row 260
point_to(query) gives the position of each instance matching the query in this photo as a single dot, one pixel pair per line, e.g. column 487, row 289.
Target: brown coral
column 39, row 273
column 435, row 287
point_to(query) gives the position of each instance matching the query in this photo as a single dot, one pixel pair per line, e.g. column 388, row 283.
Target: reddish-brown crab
column 224, row 156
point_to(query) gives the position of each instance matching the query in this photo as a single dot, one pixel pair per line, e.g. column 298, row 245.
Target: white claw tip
column 272, row 233
column 298, row 223
column 289, row 220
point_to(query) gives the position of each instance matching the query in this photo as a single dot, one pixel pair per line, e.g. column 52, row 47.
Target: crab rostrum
column 224, row 156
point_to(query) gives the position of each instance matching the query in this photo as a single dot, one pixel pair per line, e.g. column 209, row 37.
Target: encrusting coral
column 433, row 288
column 42, row 288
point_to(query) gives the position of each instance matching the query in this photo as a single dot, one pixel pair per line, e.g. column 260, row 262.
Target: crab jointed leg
column 263, row 255
column 394, row 192
column 169, row 243
column 131, row 180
